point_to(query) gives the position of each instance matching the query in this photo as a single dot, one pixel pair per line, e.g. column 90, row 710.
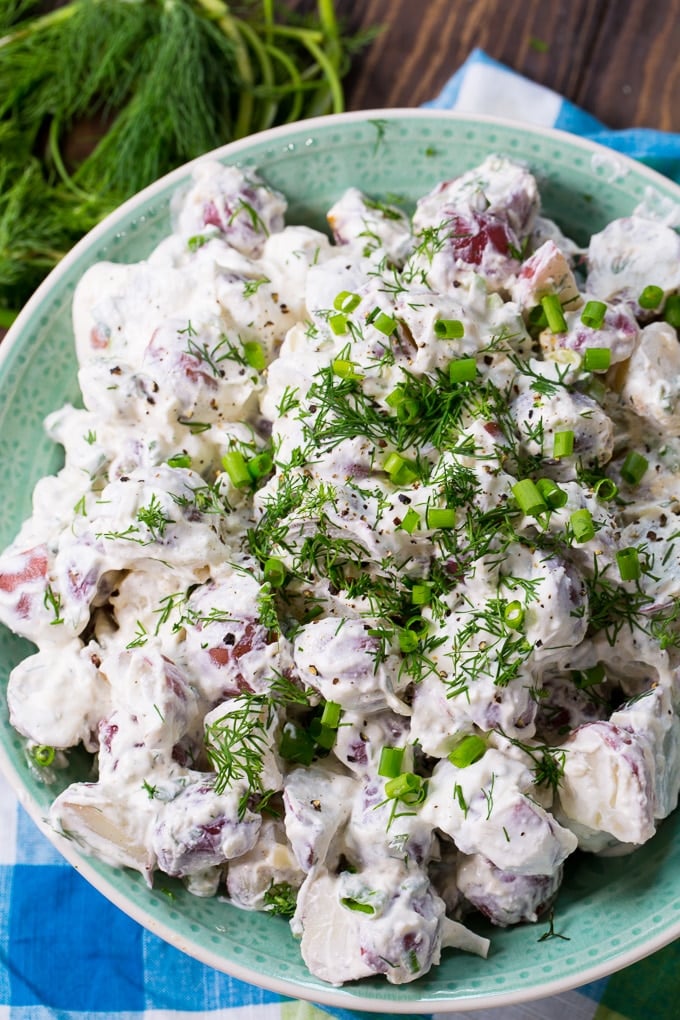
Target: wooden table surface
column 618, row 59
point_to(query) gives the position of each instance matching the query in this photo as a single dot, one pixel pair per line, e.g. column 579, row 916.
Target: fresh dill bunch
column 156, row 83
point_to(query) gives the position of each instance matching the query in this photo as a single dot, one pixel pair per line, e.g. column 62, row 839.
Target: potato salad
column 359, row 584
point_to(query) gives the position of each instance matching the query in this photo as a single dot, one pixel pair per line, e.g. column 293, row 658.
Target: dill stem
column 269, row 108
column 229, row 26
column 331, row 75
column 45, row 21
column 55, row 153
column 296, row 86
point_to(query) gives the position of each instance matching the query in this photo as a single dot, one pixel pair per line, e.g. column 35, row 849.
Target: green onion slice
column 462, row 370
column 407, row 787
column 384, row 323
column 346, row 301
column 180, row 460
column 254, row 355
column 634, row 467
column 408, row 640
column 389, row 765
column 420, row 594
column 590, row 677
column 651, row 297
column 296, row 744
column 628, row 562
column 605, row 489
column 563, row 443
column 352, row 904
column 449, row 329
column 260, row 465
column 331, row 714
column 529, row 498
column 441, row 517
column 345, row 369
column 235, row 465
column 43, row 755
column 593, row 314
column 274, row 572
column 551, row 493
column 338, row 323
column 411, row 521
column 582, row 525
column 671, row 312
column 513, row 615
column 553, row 312
column 467, row 751
column 597, row 359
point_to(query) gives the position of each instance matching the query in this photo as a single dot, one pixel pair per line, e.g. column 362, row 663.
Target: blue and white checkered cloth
column 67, row 954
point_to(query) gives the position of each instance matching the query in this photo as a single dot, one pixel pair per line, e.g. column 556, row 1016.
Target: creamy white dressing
column 287, row 536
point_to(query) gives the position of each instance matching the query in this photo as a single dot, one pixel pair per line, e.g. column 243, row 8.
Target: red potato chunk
column 606, row 795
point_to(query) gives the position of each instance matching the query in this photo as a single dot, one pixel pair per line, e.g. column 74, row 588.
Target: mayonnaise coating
column 359, row 583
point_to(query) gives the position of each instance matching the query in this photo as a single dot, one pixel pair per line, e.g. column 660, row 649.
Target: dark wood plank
column 633, row 76
column 616, row 58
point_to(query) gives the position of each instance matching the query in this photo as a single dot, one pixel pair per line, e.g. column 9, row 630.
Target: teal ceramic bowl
column 612, row 911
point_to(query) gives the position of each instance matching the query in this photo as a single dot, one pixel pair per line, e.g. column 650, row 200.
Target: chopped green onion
column 553, row 312
column 345, row 369
column 235, row 465
column 628, row 562
column 180, row 460
column 411, row 521
column 323, row 736
column 274, row 572
column 260, row 465
column 352, row 904
column 338, row 323
column 529, row 498
column 400, row 470
column 563, row 444
column 389, row 765
column 296, row 744
column 196, row 242
column 346, row 301
column 449, row 329
column 590, row 677
column 582, row 525
column 605, row 489
column 407, row 787
column 671, row 312
column 651, row 297
column 551, row 493
column 441, row 517
column 597, row 359
column 419, row 625
column 467, row 751
column 396, row 397
column 254, row 355
column 462, row 370
column 420, row 594
column 634, row 467
column 331, row 714
column 383, row 322
column 409, row 410
column 408, row 640
column 593, row 314
column 43, row 755
column 537, row 317
column 513, row 615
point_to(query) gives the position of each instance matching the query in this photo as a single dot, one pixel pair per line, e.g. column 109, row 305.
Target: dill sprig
column 188, row 74
column 236, row 742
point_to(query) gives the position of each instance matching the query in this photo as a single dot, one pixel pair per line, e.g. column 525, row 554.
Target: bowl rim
column 330, row 995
